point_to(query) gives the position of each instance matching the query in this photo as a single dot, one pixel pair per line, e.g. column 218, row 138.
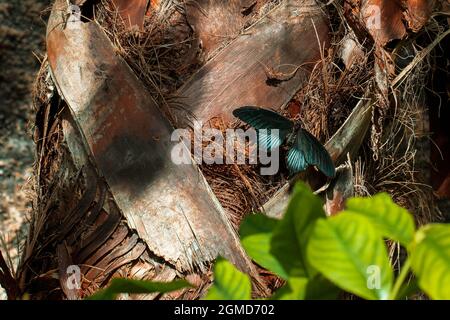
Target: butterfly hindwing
column 265, row 121
column 313, row 152
column 296, row 161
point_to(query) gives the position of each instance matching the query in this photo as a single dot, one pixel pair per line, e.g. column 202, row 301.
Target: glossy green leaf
column 430, row 260
column 131, row 286
column 256, row 234
column 229, row 283
column 290, row 237
column 349, row 251
column 390, row 219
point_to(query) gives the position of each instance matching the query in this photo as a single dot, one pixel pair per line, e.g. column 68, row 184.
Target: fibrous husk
column 388, row 20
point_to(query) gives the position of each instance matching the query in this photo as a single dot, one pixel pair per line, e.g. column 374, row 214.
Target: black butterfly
column 304, row 149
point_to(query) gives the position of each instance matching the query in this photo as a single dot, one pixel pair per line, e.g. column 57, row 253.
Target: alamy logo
column 73, row 281
column 235, row 146
column 374, row 277
column 372, row 16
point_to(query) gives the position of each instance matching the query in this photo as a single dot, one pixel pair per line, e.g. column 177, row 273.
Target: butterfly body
column 304, row 149
column 292, row 136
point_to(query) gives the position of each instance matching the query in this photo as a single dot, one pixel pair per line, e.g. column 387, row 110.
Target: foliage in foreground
column 320, row 256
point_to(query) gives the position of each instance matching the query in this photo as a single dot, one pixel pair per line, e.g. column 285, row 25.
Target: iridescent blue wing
column 308, row 151
column 265, row 121
column 269, row 139
column 260, row 118
column 296, row 161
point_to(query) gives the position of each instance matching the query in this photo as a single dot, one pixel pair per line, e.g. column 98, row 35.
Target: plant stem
column 400, row 280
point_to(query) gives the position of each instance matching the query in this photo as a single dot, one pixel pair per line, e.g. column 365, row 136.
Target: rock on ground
column 22, row 40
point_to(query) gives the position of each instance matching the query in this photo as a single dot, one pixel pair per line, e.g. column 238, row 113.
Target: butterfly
column 304, row 149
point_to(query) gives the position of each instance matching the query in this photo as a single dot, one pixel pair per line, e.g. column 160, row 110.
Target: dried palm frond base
column 75, row 219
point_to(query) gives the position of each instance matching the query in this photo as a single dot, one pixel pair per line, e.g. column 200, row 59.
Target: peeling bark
column 132, row 12
column 171, row 207
column 290, row 37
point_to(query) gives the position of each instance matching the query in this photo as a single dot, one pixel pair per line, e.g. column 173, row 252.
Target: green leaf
column 131, row 286
column 294, row 289
column 256, row 234
column 320, row 288
column 317, row 288
column 350, row 252
column 408, row 290
column 257, row 224
column 229, row 283
column 390, row 219
column 290, row 237
column 430, row 260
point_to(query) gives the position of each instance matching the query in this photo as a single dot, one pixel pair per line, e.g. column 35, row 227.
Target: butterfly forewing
column 260, row 118
column 265, row 121
column 270, row 139
column 314, row 152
